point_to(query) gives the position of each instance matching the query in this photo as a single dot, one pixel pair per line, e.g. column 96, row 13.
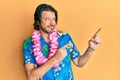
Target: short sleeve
column 27, row 52
column 73, row 49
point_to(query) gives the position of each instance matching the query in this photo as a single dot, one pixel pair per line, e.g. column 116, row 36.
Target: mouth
column 51, row 26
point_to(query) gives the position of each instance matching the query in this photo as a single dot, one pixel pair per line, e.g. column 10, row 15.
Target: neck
column 45, row 35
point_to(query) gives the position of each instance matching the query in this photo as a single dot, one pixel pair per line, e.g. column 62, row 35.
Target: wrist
column 91, row 49
column 54, row 60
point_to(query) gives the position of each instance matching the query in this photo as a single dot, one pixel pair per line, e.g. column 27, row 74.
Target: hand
column 95, row 41
column 61, row 53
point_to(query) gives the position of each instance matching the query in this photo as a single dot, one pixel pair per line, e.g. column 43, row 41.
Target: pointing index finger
column 65, row 46
column 98, row 31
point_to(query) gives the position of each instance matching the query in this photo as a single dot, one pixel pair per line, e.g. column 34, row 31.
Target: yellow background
column 80, row 18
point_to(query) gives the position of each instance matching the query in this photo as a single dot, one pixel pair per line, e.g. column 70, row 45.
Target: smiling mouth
column 51, row 27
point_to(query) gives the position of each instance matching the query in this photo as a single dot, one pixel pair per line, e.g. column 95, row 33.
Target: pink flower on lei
column 37, row 50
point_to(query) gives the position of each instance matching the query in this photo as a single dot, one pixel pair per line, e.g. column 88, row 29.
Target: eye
column 47, row 19
column 54, row 19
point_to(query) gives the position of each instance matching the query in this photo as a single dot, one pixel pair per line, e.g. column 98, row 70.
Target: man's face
column 48, row 22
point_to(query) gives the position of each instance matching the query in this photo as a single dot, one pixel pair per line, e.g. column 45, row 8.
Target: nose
column 52, row 22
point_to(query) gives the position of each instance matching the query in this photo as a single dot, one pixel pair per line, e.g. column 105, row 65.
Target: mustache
column 50, row 25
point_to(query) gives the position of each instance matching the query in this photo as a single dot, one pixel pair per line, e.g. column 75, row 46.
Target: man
column 48, row 52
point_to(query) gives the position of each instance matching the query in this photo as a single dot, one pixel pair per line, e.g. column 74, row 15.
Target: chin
column 50, row 31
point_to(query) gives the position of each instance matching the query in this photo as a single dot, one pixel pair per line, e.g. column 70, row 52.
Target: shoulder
column 62, row 33
column 64, row 38
column 29, row 39
column 26, row 42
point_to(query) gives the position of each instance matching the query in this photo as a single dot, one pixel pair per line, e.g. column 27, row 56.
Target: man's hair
column 38, row 12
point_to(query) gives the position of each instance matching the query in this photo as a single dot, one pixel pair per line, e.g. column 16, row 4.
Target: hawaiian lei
column 37, row 50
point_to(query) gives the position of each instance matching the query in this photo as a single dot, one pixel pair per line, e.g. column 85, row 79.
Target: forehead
column 48, row 14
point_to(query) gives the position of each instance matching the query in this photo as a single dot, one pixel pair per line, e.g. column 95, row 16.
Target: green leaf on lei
column 45, row 50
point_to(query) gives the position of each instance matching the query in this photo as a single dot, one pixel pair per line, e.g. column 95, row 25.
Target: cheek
column 54, row 22
column 44, row 23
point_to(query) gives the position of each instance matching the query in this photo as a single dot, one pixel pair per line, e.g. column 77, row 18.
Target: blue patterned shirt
column 64, row 70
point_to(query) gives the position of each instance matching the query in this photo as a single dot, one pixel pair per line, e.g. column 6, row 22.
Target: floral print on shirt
column 64, row 70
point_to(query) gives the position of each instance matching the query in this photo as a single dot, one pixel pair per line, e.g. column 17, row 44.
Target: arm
column 82, row 60
column 35, row 73
column 94, row 42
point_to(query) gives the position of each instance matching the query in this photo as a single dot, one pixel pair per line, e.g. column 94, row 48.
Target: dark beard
column 44, row 30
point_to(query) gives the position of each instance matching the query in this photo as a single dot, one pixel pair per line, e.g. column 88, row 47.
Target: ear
column 38, row 22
